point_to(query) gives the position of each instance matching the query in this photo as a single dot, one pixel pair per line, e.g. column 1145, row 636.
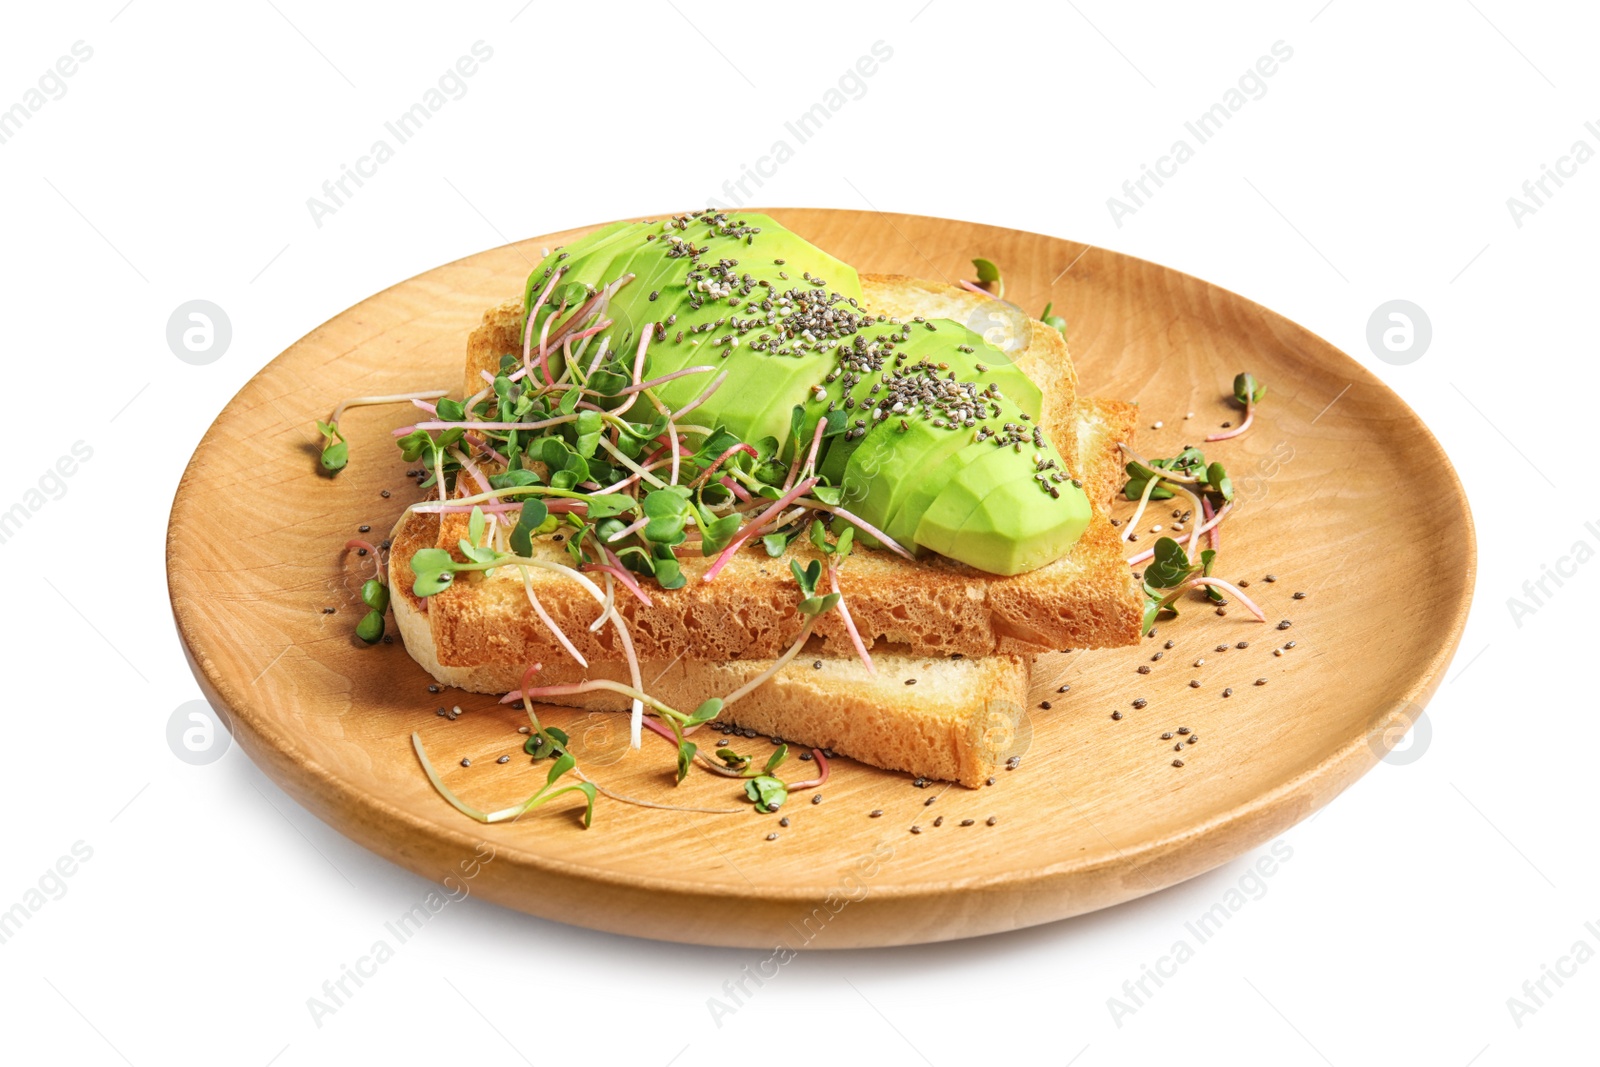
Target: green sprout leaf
column 775, row 543
column 1055, row 322
column 375, row 595
column 370, row 628
column 988, row 273
column 335, row 452
column 1169, row 567
column 780, row 754
column 534, row 513
column 1246, row 390
column 705, row 712
column 686, row 751
column 767, row 793
column 1217, row 479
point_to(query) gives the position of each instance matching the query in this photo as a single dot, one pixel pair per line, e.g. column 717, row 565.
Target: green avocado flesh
column 941, row 449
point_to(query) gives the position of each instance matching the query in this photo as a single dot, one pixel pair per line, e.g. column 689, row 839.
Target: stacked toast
column 951, row 646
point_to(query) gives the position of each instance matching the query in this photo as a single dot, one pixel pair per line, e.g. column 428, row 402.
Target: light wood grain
column 1094, row 816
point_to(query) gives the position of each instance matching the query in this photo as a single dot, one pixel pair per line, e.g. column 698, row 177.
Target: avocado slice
column 1004, row 525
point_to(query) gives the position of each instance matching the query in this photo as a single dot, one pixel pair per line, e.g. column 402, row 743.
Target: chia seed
column 875, row 813
column 990, row 821
column 503, row 759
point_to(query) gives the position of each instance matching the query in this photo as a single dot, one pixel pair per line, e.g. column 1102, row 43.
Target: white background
column 177, row 166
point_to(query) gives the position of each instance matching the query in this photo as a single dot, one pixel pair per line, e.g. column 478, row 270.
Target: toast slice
column 957, row 721
column 935, row 607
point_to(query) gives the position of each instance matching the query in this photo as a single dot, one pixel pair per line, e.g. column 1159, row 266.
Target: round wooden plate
column 1096, row 814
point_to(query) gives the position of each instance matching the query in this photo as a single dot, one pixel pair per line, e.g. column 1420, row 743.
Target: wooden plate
column 1096, row 814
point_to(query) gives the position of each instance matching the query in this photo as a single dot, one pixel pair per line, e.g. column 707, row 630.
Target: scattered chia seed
column 364, row 529
column 772, row 837
column 817, row 665
column 1299, row 596
column 1177, row 763
column 1242, row 644
column 384, row 493
column 990, row 821
column 1157, row 656
column 1285, row 624
column 1277, row 652
column 433, row 689
column 916, row 829
column 466, row 762
column 327, row 611
column 1167, row 736
column 966, row 822
column 1222, row 648
column 939, row 821
column 1227, row 692
column 1178, row 747
column 1193, row 738
column 1289, row 644
column 520, row 729
column 1261, row 681
column 875, row 813
column 784, row 821
column 1194, row 683
column 1140, row 702
column 1199, row 663
column 930, row 800
column 1183, row 730
column 913, row 681
column 805, row 756
column 1270, row 578
column 1169, row 644
column 503, row 759
column 1117, row 715
column 722, row 743
column 1063, row 689
column 990, row 781
column 1045, row 704
column 817, row 799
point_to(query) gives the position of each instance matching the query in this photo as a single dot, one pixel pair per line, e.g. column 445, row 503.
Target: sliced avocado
column 1003, row 525
column 781, row 322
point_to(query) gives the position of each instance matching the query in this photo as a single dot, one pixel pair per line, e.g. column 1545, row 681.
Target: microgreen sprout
column 1247, row 392
column 1055, row 322
column 988, row 274
column 1170, row 574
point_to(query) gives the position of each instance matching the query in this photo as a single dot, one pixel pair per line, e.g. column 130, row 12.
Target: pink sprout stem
column 1204, row 527
column 1249, row 414
column 844, row 613
column 720, row 460
column 822, row 773
column 1233, row 591
column 734, row 487
column 716, row 383
column 752, row 527
column 866, row 527
column 1215, row 532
